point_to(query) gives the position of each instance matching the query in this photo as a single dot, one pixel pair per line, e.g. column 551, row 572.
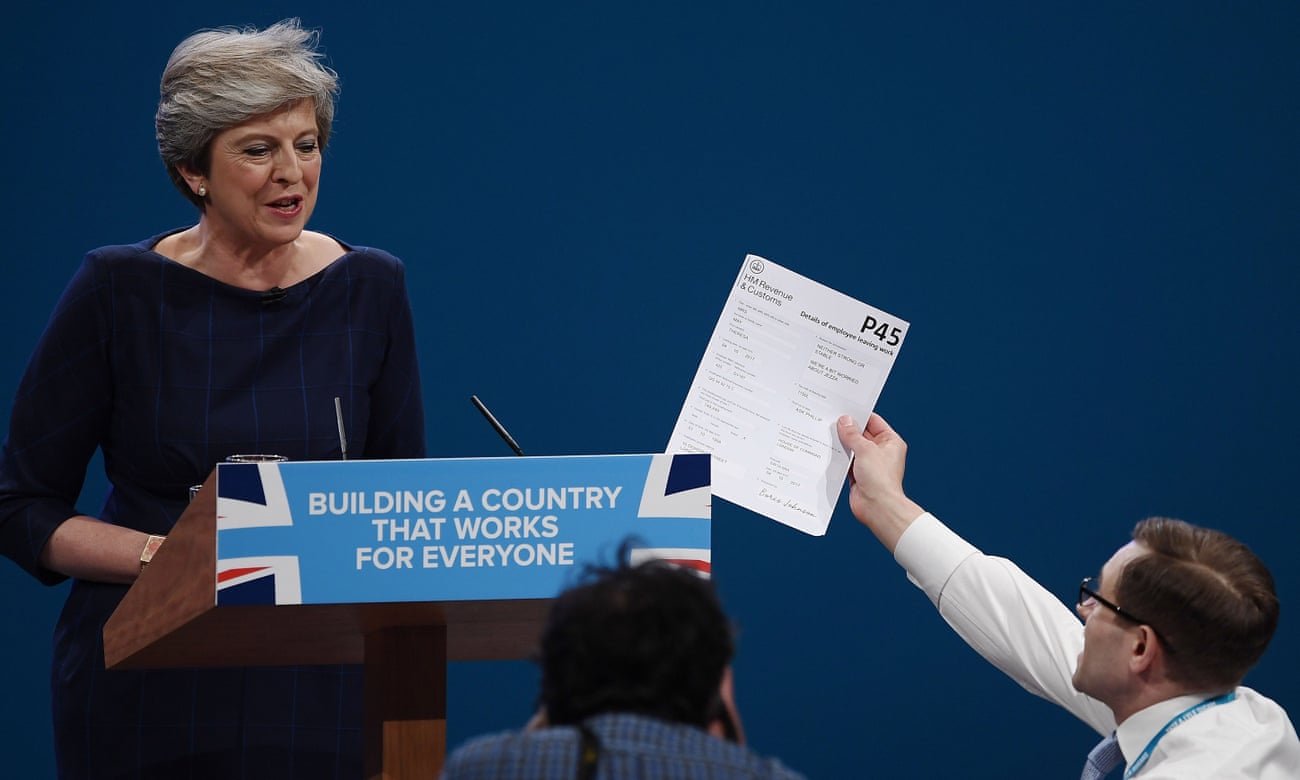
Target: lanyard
column 588, row 752
column 1177, row 720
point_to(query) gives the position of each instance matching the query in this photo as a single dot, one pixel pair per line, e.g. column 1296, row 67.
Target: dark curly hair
column 649, row 639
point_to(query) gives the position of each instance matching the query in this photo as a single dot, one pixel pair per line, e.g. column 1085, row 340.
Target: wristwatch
column 150, row 547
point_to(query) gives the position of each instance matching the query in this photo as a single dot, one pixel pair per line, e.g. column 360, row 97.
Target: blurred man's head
column 650, row 639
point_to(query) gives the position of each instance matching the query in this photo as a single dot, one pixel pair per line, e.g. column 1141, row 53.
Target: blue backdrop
column 1088, row 212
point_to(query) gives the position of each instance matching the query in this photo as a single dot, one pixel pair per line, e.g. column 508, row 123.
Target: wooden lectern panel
column 170, row 618
column 406, row 689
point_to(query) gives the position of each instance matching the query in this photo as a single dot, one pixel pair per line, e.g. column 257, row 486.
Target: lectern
column 400, row 566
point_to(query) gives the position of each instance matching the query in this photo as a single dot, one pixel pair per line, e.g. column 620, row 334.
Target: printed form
column 787, row 358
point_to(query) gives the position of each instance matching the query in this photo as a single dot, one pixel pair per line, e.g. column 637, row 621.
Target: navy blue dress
column 168, row 372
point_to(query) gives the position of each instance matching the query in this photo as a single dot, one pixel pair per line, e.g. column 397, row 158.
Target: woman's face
column 261, row 183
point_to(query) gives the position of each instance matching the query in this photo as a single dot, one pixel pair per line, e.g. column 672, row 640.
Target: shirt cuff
column 931, row 552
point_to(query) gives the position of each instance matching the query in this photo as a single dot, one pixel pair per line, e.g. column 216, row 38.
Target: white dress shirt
column 1019, row 627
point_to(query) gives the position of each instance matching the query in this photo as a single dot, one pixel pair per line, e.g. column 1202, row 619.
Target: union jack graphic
column 252, row 495
column 678, row 486
column 697, row 559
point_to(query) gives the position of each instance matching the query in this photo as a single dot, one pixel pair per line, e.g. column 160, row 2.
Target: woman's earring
column 203, row 191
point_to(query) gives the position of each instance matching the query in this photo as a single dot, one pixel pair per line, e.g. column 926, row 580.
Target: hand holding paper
column 787, row 358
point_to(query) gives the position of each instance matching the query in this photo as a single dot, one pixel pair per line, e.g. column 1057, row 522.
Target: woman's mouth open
column 289, row 206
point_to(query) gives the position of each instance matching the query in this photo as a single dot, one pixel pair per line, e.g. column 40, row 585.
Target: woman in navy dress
column 231, row 336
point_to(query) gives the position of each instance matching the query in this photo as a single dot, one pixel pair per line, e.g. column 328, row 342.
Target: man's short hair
column 1210, row 597
column 650, row 639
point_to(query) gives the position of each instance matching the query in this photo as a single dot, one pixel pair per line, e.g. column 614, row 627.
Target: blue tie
column 1102, row 759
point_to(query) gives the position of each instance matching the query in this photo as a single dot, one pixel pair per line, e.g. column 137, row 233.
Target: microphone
column 274, row 295
column 343, row 435
column 498, row 427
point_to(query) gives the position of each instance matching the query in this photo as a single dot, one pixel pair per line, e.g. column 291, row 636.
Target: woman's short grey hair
column 216, row 79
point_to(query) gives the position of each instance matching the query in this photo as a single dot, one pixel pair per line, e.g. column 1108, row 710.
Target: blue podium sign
column 355, row 532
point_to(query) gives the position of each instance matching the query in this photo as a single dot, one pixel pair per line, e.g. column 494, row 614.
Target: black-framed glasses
column 1088, row 593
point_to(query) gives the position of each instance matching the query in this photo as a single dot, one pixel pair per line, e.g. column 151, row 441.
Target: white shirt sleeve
column 1003, row 614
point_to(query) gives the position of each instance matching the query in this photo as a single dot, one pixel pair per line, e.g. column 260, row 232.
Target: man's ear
column 724, row 718
column 1145, row 651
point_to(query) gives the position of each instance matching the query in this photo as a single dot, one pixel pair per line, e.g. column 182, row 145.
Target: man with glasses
column 1170, row 627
